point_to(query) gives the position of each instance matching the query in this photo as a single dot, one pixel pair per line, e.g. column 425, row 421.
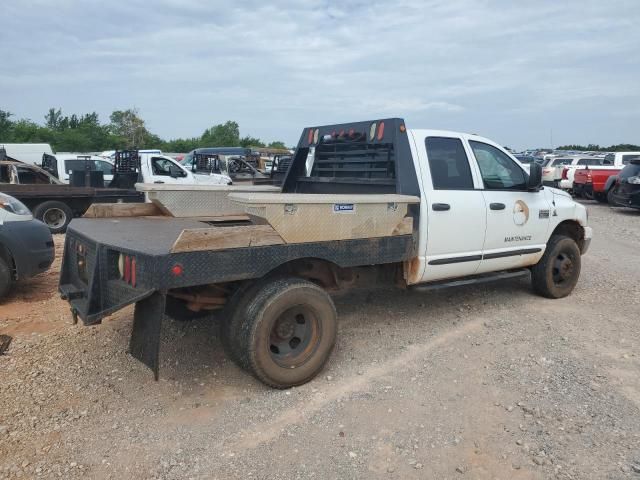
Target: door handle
column 441, row 207
column 497, row 206
column 158, row 181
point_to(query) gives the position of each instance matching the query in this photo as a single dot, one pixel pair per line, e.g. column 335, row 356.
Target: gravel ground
column 479, row 382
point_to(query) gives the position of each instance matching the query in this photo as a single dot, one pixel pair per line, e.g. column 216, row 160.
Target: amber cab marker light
column 403, row 128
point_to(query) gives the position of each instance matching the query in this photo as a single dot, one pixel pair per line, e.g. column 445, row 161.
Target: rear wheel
column 557, row 272
column 6, row 279
column 55, row 215
column 287, row 333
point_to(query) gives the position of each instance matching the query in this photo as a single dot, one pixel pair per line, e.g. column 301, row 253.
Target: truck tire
column 610, row 200
column 288, row 332
column 233, row 316
column 55, row 215
column 6, row 278
column 557, row 272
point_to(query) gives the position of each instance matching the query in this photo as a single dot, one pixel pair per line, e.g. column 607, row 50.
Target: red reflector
column 127, row 269
column 310, row 135
column 133, row 272
column 381, row 131
column 176, row 270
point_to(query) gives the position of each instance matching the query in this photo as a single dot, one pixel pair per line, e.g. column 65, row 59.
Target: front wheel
column 557, row 272
column 610, row 198
column 287, row 333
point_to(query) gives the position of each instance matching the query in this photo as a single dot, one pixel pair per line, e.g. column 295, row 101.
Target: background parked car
column 626, row 190
column 26, row 246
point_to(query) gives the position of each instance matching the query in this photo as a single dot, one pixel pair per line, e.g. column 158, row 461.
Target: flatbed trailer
column 362, row 204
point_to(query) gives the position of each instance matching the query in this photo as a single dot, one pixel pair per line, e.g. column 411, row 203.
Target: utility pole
column 551, row 137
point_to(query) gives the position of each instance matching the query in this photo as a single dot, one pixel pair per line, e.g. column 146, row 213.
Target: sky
column 524, row 74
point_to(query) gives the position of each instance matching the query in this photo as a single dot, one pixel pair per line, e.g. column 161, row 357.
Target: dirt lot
column 479, row 382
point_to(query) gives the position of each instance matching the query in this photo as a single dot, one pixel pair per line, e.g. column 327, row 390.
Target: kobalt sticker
column 344, row 208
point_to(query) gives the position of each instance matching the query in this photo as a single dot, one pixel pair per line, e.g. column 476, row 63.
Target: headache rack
column 360, row 157
column 206, row 163
column 126, row 169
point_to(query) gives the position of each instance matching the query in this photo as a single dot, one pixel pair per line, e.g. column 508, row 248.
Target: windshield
column 631, row 170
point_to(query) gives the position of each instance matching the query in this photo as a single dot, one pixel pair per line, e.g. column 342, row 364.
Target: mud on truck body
column 362, row 204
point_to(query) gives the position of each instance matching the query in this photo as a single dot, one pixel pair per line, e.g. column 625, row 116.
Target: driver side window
column 498, row 170
column 161, row 166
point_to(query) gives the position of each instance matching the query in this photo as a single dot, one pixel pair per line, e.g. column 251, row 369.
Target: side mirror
column 535, row 177
column 175, row 172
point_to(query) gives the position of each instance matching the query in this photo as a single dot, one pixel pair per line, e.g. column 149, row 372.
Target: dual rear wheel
column 282, row 330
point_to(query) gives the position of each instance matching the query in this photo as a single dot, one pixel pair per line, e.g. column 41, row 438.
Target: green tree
column 128, row 125
column 249, row 141
column 277, row 144
column 222, row 135
column 5, row 126
column 53, row 118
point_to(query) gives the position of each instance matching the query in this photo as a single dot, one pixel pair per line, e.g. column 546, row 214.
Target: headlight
column 12, row 205
column 635, row 180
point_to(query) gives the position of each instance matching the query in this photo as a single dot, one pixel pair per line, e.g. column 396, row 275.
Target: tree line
column 126, row 129
column 621, row 147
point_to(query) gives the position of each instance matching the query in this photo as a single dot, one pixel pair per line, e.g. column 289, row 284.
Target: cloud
column 511, row 70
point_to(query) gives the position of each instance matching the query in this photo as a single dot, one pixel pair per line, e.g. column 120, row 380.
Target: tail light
column 127, row 269
column 565, row 173
column 589, row 178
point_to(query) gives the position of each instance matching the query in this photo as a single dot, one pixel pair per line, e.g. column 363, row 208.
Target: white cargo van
column 27, row 152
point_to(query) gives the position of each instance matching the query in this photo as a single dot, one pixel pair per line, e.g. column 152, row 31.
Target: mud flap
column 147, row 325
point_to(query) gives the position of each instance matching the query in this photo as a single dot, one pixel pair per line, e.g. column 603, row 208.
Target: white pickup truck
column 154, row 168
column 363, row 204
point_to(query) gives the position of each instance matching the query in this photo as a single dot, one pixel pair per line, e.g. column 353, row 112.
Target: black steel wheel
column 287, row 333
column 294, row 336
column 557, row 272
